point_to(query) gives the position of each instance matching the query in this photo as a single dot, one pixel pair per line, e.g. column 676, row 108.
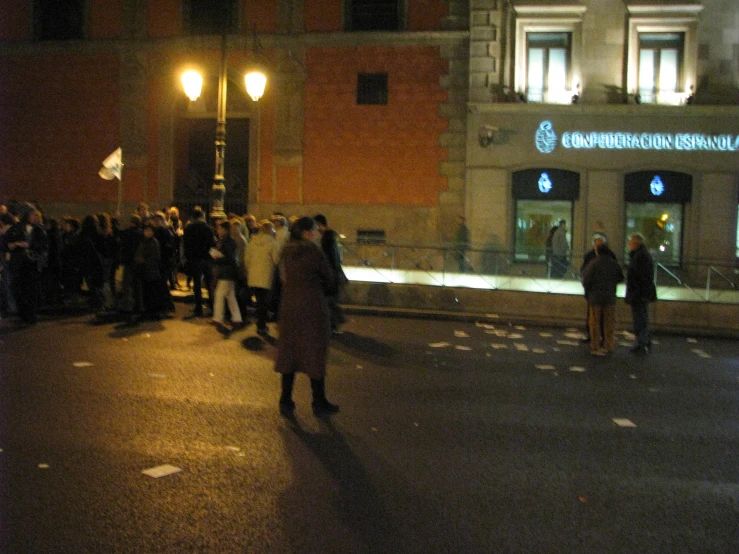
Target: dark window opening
column 372, row 88
column 373, row 15
column 211, row 17
column 60, row 19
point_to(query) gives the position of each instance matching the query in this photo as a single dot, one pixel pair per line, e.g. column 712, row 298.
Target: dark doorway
column 195, row 159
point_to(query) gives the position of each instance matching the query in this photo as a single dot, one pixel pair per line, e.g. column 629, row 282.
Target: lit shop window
column 662, row 227
column 548, row 67
column 655, row 204
column 534, row 221
column 660, row 61
column 543, row 196
column 662, row 52
column 548, row 48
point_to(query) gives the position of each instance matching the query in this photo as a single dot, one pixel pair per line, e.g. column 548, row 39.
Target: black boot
column 321, row 406
column 287, row 406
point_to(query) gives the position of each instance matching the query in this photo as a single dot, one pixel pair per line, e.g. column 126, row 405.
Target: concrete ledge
column 690, row 318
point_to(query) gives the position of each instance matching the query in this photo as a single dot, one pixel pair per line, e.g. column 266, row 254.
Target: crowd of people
column 130, row 265
column 286, row 271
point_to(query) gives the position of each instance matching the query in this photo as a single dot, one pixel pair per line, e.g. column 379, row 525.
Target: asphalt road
column 452, row 438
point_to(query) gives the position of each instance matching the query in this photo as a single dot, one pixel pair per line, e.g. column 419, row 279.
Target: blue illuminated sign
column 546, row 141
column 545, row 184
column 657, row 186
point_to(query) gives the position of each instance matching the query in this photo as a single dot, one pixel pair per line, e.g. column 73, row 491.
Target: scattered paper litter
column 623, row 343
column 484, row 325
column 632, row 376
column 545, row 366
column 555, row 349
column 438, row 344
column 460, row 334
column 125, row 339
column 704, row 355
column 161, row 471
column 568, row 342
column 515, row 336
column 82, row 364
column 520, row 327
column 157, row 375
column 233, row 448
column 147, row 335
column 359, row 367
column 492, row 316
column 43, row 466
column 653, row 389
column 488, row 354
column 623, row 422
column 538, row 351
column 460, row 347
column 521, row 347
column 570, row 329
column 692, row 341
column 498, row 333
column 577, row 369
column 574, row 335
column 545, row 334
column 498, row 345
column 655, row 341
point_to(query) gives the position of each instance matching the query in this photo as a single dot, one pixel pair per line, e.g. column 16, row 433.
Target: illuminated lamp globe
column 255, row 83
column 193, row 84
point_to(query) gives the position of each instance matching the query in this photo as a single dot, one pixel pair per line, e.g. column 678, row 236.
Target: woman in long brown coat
column 305, row 328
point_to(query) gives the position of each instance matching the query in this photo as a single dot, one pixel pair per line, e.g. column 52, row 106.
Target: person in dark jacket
column 330, row 247
column 226, row 271
column 148, row 263
column 305, row 334
column 166, row 241
column 28, row 245
column 640, row 290
column 598, row 239
column 197, row 241
column 70, row 269
column 600, row 279
column 89, row 257
column 131, row 294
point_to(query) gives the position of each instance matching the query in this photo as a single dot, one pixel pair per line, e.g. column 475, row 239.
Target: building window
column 211, row 17
column 662, row 52
column 662, row 227
column 660, row 61
column 548, row 65
column 372, row 88
column 548, row 44
column 373, row 15
column 535, row 219
column 655, row 203
column 60, row 19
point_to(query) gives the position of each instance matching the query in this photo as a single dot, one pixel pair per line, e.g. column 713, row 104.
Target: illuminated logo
column 546, row 139
column 545, row 184
column 657, row 186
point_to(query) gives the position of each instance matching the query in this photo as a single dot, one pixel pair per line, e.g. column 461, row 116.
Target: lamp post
column 192, row 82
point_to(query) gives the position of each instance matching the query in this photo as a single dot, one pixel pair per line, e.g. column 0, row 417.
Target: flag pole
column 120, row 193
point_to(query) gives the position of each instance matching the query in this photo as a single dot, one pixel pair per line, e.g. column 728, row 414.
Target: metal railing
column 499, row 269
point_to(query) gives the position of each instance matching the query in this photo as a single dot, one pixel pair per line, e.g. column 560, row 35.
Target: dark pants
column 262, row 296
column 201, row 270
column 28, row 291
column 640, row 316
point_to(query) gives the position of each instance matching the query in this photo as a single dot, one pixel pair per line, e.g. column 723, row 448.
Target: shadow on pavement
column 377, row 513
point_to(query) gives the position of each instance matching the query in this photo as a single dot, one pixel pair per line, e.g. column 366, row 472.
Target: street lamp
column 192, row 82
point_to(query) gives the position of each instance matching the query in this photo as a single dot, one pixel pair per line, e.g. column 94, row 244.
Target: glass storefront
column 534, row 221
column 655, row 202
column 543, row 196
column 662, row 227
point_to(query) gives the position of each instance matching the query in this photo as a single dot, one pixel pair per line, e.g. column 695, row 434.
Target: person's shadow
column 351, row 513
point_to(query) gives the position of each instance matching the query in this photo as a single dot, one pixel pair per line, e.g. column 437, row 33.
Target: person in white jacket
column 262, row 257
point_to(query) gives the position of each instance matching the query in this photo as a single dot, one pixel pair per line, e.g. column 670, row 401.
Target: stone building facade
column 392, row 117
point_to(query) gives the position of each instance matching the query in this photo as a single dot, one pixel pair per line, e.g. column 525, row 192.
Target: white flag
column 112, row 166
